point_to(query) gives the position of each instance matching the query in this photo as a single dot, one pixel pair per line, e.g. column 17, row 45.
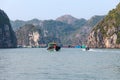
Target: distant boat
column 87, row 48
column 53, row 47
column 83, row 46
column 78, row 46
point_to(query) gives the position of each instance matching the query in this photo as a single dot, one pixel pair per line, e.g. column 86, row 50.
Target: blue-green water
column 68, row 64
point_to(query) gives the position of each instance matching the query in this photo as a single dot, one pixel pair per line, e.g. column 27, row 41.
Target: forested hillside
column 107, row 32
column 66, row 30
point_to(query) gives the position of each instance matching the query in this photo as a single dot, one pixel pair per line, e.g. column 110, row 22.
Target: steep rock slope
column 7, row 35
column 65, row 29
column 79, row 36
column 28, row 35
column 107, row 32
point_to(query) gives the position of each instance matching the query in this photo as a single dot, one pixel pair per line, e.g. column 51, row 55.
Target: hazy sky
column 51, row 9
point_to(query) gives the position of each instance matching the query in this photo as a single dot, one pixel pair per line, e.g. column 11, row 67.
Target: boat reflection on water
column 53, row 47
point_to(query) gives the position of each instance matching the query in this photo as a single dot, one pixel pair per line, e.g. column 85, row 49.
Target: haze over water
column 68, row 64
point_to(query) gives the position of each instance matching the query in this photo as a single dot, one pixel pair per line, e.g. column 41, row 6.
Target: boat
column 53, row 47
column 78, row 46
column 87, row 48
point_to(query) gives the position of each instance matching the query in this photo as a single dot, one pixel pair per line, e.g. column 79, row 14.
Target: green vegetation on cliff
column 118, row 38
column 111, row 20
column 108, row 29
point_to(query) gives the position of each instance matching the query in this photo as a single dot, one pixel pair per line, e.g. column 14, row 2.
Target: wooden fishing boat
column 53, row 47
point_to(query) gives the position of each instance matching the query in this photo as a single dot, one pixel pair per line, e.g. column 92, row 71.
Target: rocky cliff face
column 28, row 35
column 107, row 32
column 7, row 35
column 64, row 30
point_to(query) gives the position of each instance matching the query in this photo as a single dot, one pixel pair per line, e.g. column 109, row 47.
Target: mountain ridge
column 60, row 31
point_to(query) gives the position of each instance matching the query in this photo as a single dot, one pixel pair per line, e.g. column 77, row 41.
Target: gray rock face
column 7, row 35
column 97, row 40
column 28, row 35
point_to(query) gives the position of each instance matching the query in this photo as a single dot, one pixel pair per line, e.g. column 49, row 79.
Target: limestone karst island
column 96, row 32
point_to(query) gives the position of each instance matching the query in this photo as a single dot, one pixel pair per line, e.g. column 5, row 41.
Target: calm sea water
column 67, row 64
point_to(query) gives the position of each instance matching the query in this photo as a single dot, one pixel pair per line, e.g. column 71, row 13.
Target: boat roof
column 52, row 43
